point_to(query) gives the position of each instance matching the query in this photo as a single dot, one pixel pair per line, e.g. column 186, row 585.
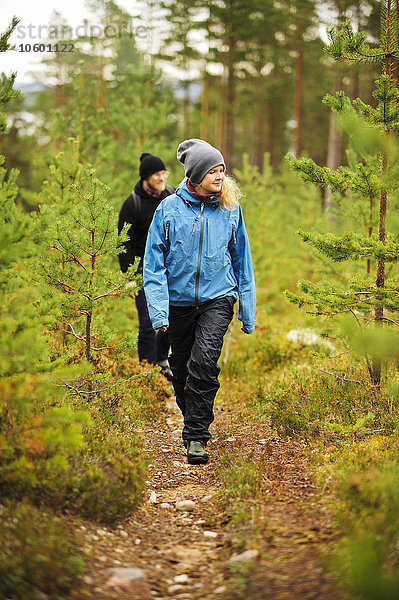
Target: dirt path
column 184, row 553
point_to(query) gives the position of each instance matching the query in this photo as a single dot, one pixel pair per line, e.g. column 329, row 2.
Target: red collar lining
column 201, row 196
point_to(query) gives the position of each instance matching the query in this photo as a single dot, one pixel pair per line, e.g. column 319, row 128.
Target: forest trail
column 185, row 554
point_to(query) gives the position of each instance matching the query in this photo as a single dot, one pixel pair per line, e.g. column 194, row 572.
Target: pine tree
column 18, row 324
column 371, row 179
column 80, row 242
column 30, row 431
column 7, row 93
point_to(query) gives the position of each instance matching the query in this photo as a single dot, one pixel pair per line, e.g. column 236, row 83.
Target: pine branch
column 365, row 109
column 338, row 103
column 350, row 46
column 344, row 378
column 352, row 245
column 4, row 37
column 80, row 392
column 81, row 338
column 310, row 172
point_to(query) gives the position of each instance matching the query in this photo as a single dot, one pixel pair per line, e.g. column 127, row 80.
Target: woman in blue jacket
column 197, row 263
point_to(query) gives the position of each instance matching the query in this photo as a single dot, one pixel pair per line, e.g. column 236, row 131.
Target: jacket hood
column 189, row 196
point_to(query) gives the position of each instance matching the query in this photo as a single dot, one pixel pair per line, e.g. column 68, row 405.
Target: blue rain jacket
column 195, row 252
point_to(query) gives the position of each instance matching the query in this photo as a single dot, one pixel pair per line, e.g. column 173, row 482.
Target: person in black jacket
column 138, row 210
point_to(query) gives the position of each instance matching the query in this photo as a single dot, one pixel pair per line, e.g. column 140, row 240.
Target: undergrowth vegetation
column 300, row 380
column 367, row 483
column 38, row 554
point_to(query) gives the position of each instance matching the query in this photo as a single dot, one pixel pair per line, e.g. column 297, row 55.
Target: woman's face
column 212, row 182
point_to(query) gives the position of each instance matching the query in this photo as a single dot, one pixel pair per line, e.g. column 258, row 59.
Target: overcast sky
column 36, row 14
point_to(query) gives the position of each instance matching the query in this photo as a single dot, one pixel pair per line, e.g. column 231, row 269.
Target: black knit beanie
column 150, row 164
column 198, row 157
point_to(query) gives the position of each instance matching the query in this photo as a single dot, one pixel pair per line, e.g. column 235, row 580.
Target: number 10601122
column 46, row 47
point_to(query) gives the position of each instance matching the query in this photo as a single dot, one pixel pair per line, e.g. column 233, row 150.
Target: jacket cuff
column 162, row 323
column 248, row 328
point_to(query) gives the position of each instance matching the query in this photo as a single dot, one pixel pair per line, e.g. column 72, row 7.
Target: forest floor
column 199, row 554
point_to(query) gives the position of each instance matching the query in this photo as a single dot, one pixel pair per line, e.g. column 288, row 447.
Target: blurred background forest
column 248, row 77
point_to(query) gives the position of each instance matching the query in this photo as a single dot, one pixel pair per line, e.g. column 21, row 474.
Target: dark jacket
column 138, row 210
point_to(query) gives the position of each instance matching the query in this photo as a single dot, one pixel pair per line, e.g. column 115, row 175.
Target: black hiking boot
column 196, row 454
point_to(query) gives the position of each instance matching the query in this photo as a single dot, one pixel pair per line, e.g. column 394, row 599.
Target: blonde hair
column 230, row 193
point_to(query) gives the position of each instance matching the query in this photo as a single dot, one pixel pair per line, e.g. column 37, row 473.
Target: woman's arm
column 154, row 272
column 240, row 252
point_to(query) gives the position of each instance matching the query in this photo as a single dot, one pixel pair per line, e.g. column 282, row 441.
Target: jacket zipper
column 167, row 230
column 199, row 256
column 234, row 233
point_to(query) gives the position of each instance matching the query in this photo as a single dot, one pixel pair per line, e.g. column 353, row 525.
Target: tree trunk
column 390, row 70
column 89, row 356
column 370, row 231
column 334, row 139
column 298, row 99
column 205, row 108
column 355, row 77
column 270, row 145
column 89, row 313
column 220, row 128
column 101, row 90
column 259, row 124
column 334, row 145
column 186, row 116
column 231, row 96
column 380, row 279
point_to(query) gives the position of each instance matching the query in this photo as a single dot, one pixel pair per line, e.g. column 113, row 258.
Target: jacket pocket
column 182, row 239
column 215, row 256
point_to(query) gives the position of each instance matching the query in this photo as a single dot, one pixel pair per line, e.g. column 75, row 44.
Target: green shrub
column 67, row 457
column 267, row 350
column 368, row 486
column 146, row 391
column 309, row 403
column 107, row 482
column 37, row 441
column 37, row 554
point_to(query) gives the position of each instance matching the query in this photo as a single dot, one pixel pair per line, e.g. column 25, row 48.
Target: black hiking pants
column 196, row 338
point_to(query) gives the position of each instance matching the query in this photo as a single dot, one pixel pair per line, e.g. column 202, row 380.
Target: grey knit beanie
column 198, row 157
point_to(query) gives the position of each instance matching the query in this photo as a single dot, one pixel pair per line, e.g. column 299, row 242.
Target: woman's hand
column 163, row 328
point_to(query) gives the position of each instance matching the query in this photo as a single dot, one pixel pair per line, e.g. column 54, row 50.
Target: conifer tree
column 17, row 324
column 371, row 179
column 7, row 92
column 28, row 430
column 76, row 266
